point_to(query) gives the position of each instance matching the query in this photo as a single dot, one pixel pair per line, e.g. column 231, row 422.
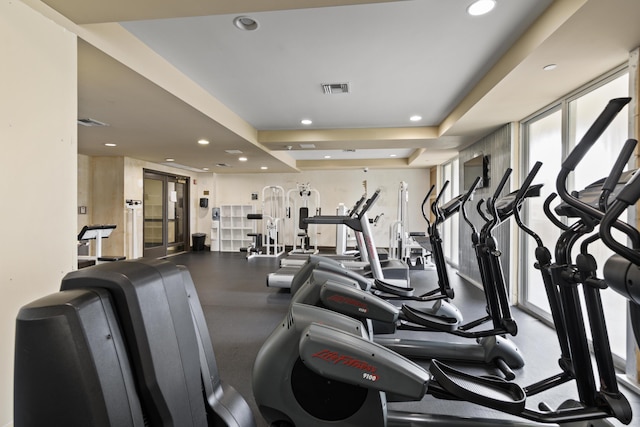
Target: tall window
column 544, row 134
column 450, row 172
column 548, row 137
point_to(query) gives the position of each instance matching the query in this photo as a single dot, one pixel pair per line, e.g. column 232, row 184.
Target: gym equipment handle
column 597, row 128
column 424, row 202
column 527, row 183
column 630, row 193
column 370, row 202
column 622, row 160
column 502, row 183
column 612, row 180
column 439, row 196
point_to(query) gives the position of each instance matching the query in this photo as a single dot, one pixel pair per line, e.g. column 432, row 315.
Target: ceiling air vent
column 223, row 165
column 233, row 151
column 90, row 122
column 331, row 88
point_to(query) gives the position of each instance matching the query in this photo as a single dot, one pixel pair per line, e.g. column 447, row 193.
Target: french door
column 166, row 213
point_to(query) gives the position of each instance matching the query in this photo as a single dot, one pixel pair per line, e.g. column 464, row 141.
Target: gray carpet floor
column 241, row 311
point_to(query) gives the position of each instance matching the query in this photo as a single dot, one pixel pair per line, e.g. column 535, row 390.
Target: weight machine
column 305, row 191
column 404, row 244
column 272, row 216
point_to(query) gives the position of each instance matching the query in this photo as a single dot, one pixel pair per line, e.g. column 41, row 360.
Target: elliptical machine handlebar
column 491, row 202
column 518, row 200
column 612, row 180
column 465, row 199
column 434, row 205
column 590, row 137
column 628, row 196
column 597, row 128
column 527, row 183
column 424, row 203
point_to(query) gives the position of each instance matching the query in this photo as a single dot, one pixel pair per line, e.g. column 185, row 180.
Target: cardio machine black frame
column 338, row 355
column 488, row 257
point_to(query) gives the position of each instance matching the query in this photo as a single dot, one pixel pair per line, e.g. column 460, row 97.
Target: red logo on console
column 349, row 361
column 341, row 299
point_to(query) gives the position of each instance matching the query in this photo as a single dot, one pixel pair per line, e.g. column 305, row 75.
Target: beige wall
column 38, row 134
column 107, row 201
column 338, row 186
column 334, row 186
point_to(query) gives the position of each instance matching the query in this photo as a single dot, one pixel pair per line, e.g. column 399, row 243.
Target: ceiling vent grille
column 331, row 88
column 223, row 165
column 90, row 122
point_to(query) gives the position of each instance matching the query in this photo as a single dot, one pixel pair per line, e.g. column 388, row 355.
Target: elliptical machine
column 318, row 368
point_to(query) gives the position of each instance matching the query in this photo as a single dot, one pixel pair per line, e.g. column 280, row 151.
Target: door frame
column 166, row 247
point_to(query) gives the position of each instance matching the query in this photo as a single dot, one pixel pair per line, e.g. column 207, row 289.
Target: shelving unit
column 234, row 227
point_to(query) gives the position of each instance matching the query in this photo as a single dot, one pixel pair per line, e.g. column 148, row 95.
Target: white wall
column 338, row 186
column 38, row 109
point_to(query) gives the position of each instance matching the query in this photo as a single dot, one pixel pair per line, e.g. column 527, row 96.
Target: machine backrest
column 71, row 366
column 124, row 344
column 303, row 214
column 152, row 306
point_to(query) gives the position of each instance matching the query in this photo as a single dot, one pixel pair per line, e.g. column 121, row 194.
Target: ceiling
column 164, row 74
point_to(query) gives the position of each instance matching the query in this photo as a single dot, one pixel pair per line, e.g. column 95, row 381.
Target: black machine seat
column 491, row 392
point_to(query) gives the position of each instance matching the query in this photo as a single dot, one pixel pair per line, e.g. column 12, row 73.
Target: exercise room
column 337, row 213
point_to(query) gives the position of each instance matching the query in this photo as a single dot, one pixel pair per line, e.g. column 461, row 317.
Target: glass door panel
column 153, row 213
column 176, row 208
column 166, row 210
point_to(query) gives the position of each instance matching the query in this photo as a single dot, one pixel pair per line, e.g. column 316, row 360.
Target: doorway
column 165, row 213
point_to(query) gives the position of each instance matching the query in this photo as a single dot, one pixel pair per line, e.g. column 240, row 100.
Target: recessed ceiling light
column 327, row 157
column 110, row 144
column 306, row 122
column 242, row 159
column 393, row 155
column 203, row 142
column 415, row 118
column 205, row 169
column 550, row 67
column 264, row 168
column 245, row 23
column 169, row 160
column 481, row 7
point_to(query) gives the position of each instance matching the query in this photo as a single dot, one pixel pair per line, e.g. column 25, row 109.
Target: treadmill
column 298, row 259
column 395, row 272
